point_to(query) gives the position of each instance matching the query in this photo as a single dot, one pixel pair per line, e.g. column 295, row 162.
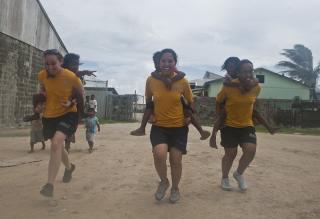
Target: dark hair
column 171, row 51
column 53, row 52
column 156, row 58
column 231, row 60
column 242, row 62
column 92, row 95
column 70, row 59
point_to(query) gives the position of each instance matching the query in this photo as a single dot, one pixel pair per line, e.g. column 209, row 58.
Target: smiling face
column 53, row 64
column 167, row 64
column 246, row 73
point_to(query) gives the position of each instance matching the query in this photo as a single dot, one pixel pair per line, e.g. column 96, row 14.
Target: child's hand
column 213, row 141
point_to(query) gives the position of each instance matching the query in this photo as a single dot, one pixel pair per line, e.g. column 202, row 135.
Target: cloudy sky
column 118, row 37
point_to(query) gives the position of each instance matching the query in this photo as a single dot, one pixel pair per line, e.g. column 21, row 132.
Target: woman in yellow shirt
column 169, row 133
column 238, row 125
column 60, row 117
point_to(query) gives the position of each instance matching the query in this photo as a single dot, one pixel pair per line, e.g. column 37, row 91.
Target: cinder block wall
column 19, row 67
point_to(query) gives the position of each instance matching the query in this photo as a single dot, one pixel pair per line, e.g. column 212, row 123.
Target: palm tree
column 300, row 66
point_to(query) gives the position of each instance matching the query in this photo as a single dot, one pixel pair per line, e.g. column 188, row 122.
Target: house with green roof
column 274, row 86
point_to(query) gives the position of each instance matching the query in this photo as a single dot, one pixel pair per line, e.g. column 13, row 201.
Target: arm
column 98, row 125
column 256, row 115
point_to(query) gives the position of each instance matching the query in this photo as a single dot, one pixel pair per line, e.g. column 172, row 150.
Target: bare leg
column 65, row 158
column 31, row 148
column 67, row 145
column 90, row 146
column 176, row 167
column 160, row 157
column 249, row 151
column 227, row 160
column 55, row 155
column 43, row 145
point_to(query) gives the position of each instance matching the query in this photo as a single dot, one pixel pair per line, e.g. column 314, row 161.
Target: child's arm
column 98, row 125
column 256, row 115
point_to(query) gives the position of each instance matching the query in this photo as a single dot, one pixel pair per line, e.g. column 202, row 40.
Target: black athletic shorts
column 66, row 124
column 232, row 137
column 173, row 137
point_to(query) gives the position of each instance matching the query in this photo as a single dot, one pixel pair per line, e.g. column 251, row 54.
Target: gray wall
column 100, row 94
column 27, row 21
column 25, row 31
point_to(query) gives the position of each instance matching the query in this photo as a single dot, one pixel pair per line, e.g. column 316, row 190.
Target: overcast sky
column 118, row 37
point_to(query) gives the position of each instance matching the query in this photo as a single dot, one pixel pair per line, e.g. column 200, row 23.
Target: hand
column 87, row 72
column 66, row 104
column 213, row 142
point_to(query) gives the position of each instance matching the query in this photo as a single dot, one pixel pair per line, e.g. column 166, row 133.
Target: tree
column 300, row 65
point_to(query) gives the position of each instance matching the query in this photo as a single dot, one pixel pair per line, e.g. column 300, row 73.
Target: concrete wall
column 19, row 65
column 27, row 21
column 25, row 31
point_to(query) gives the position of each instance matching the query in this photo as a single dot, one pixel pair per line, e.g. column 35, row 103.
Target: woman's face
column 167, row 64
column 246, row 73
column 52, row 64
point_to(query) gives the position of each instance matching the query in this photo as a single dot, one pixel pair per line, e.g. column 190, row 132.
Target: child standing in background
column 91, row 124
column 36, row 133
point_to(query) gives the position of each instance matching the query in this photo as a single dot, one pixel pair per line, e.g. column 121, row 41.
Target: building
column 25, row 32
column 197, row 85
column 274, row 86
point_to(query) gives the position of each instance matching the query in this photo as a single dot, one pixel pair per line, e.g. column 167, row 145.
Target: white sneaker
column 241, row 182
column 225, row 184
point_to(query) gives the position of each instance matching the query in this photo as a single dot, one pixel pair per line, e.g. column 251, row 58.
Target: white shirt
column 93, row 104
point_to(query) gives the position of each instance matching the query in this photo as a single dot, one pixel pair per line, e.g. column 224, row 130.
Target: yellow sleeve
column 148, row 92
column 221, row 97
column 257, row 90
column 187, row 92
column 41, row 76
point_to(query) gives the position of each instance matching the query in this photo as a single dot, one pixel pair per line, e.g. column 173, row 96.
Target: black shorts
column 173, row 137
column 67, row 124
column 232, row 137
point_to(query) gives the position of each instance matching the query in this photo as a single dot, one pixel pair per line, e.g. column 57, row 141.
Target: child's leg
column 90, row 146
column 142, row 129
column 204, row 133
column 67, row 144
column 31, row 147
column 217, row 125
column 43, row 145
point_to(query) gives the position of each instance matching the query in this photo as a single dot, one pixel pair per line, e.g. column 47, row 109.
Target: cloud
column 118, row 37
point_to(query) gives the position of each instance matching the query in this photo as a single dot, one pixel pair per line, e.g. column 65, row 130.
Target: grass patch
column 286, row 130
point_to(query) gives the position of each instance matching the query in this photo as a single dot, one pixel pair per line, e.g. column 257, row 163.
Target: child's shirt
column 91, row 124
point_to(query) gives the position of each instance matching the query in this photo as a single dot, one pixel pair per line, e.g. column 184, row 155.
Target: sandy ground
column 118, row 180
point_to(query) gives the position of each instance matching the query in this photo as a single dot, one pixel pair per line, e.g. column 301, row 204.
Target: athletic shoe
column 47, row 190
column 161, row 191
column 174, row 195
column 241, row 182
column 68, row 174
column 225, row 184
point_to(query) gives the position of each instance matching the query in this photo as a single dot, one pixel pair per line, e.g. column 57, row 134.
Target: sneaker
column 225, row 184
column 161, row 191
column 174, row 195
column 240, row 179
column 47, row 190
column 68, row 174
